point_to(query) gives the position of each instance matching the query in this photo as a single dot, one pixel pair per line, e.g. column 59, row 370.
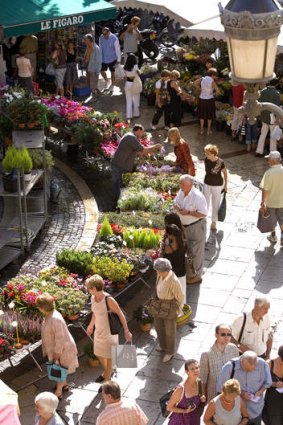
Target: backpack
column 164, row 94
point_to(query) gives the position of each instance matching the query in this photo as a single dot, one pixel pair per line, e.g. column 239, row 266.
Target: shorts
column 110, row 65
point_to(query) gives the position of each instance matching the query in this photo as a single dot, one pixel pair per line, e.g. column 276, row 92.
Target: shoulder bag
column 222, row 208
column 163, row 401
column 114, row 320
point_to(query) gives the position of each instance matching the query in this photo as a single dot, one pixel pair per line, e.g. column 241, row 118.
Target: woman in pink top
column 24, row 71
column 57, row 342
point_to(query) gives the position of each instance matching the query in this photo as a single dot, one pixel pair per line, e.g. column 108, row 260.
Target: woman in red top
column 182, row 152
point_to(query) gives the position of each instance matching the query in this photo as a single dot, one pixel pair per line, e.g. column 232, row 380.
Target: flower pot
column 73, row 317
column 121, row 285
column 10, row 183
column 145, row 327
column 93, row 362
column 31, row 125
column 22, row 125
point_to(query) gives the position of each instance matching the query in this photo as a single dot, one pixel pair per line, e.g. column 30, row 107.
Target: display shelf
column 7, row 255
column 35, row 175
column 35, row 223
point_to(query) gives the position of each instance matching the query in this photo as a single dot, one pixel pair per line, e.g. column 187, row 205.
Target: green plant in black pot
column 11, row 164
column 26, row 161
column 87, row 135
column 80, row 262
column 37, row 159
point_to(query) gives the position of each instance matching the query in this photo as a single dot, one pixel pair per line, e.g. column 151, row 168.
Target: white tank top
column 206, row 88
column 225, row 417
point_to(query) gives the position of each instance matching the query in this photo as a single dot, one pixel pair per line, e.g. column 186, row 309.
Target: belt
column 188, row 225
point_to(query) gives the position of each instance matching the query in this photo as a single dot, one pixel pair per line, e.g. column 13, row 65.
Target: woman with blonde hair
column 101, row 302
column 57, row 342
column 175, row 104
column 228, row 408
column 182, row 151
column 215, row 180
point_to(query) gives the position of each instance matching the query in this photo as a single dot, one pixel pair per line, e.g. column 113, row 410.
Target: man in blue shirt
column 254, row 376
column 111, row 54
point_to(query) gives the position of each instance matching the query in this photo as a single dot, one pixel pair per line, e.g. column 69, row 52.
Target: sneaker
column 159, row 349
column 273, row 239
column 167, row 358
column 153, row 127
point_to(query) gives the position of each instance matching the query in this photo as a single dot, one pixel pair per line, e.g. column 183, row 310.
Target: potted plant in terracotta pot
column 91, row 357
column 143, row 318
column 72, row 304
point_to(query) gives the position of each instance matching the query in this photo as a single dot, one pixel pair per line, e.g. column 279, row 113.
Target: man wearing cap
column 272, row 193
column 191, row 206
column 111, row 54
column 268, row 94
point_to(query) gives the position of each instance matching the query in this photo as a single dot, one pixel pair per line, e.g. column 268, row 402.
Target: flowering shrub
column 68, row 109
column 160, row 183
column 112, row 268
column 6, row 345
column 142, row 315
column 137, row 198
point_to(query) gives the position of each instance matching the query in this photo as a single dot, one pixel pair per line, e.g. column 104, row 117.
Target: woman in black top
column 175, row 104
column 71, row 76
column 174, row 249
column 215, row 180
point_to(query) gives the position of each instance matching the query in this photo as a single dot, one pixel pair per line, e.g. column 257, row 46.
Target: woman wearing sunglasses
column 212, row 361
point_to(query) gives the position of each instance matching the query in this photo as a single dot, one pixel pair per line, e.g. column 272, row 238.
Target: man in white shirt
column 191, row 206
column 255, row 329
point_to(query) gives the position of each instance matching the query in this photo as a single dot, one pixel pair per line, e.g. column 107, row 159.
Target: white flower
column 150, row 222
column 133, row 212
column 131, row 237
column 11, row 305
column 14, row 324
column 124, row 243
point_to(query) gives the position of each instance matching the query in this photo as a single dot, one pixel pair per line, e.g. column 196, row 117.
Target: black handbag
column 114, row 321
column 222, row 208
column 163, row 401
column 265, row 222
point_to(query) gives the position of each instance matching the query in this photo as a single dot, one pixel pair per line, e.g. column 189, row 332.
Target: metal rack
column 21, row 230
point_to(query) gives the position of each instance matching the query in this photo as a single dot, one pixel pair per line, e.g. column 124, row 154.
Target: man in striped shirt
column 117, row 411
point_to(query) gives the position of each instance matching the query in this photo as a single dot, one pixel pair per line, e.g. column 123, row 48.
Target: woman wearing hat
column 273, row 405
column 168, row 288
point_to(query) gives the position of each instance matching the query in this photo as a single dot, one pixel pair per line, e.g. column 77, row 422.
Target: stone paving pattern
column 240, row 264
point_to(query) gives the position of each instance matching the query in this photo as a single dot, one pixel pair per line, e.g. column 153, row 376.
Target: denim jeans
column 251, row 133
column 116, row 183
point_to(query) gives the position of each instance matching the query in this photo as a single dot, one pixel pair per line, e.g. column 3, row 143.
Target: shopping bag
column 222, row 208
column 124, row 356
column 56, row 372
column 119, row 72
column 137, row 85
column 115, row 324
column 265, row 222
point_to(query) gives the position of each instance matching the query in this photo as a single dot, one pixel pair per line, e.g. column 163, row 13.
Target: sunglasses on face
column 225, row 334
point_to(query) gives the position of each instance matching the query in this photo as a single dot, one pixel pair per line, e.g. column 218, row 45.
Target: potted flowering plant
column 91, row 357
column 143, row 317
column 71, row 304
column 6, row 345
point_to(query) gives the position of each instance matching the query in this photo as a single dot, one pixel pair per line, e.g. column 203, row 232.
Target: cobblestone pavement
column 240, row 265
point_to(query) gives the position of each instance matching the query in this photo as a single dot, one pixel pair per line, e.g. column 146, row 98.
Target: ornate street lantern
column 252, row 28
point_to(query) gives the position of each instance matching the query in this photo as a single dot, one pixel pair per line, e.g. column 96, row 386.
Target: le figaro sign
column 53, row 24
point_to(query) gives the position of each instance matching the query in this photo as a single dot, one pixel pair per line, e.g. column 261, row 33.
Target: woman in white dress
column 103, row 339
column 132, row 93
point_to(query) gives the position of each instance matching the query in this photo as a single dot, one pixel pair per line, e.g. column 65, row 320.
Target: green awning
column 21, row 17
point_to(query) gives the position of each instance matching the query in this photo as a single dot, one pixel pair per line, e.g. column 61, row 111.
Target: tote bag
column 56, row 372
column 222, row 208
column 124, row 356
column 265, row 222
column 137, row 85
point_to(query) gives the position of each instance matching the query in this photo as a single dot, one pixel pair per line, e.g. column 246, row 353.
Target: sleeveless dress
column 192, row 418
column 206, row 102
column 273, row 405
column 102, row 339
column 227, row 417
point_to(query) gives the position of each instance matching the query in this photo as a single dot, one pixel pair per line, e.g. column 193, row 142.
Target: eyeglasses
column 225, row 334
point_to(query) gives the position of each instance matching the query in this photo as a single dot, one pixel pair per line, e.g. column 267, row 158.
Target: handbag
column 137, row 85
column 56, row 372
column 190, row 269
column 163, row 309
column 115, row 324
column 119, row 72
column 163, row 401
column 265, row 222
column 50, row 70
column 222, row 208
column 124, row 356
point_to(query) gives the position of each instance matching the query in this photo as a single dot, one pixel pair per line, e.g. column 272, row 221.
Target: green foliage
column 139, row 219
column 25, row 109
column 37, row 158
column 12, row 159
column 26, row 160
column 141, row 238
column 72, row 303
column 87, row 135
column 106, row 229
column 159, row 183
column 6, row 127
column 88, row 350
column 79, row 262
column 137, row 198
column 112, row 268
